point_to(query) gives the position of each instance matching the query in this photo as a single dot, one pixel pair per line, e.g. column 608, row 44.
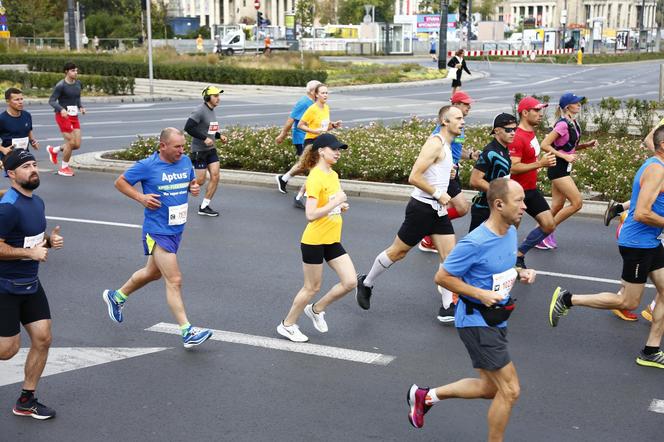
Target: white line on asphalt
column 583, row 278
column 92, row 221
column 105, row 137
column 656, row 406
column 282, row 344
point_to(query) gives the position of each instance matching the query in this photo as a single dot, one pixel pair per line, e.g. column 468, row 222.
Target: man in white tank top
column 426, row 213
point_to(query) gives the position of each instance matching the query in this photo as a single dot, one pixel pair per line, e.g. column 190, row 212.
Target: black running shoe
column 208, row 211
column 521, row 262
column 610, row 212
column 446, row 315
column 33, row 409
column 363, row 293
column 299, row 202
column 281, row 184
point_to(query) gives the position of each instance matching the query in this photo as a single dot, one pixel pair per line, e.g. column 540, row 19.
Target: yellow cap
column 212, row 90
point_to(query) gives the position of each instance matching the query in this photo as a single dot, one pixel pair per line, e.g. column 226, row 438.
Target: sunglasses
column 509, row 130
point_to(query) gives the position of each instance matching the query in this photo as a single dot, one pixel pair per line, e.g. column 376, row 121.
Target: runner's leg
column 507, row 384
column 345, row 270
column 213, row 168
column 141, row 277
column 167, row 263
column 566, row 187
column 71, row 144
column 313, row 275
column 40, row 342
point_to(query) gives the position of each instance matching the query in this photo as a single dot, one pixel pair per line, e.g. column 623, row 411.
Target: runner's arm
column 9, row 253
column 648, row 142
column 149, row 201
column 428, row 155
column 465, row 67
column 652, row 181
column 456, row 285
column 191, row 129
column 33, row 141
column 312, row 212
column 55, row 96
column 477, row 180
column 288, row 125
column 302, row 125
column 547, row 144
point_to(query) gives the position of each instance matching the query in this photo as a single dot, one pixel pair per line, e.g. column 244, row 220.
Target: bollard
column 579, row 56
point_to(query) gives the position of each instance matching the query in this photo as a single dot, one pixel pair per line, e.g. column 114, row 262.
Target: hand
column 569, row 158
column 591, row 143
column 82, row 110
column 337, row 124
column 63, row 113
column 223, row 139
column 39, row 252
column 56, row 240
column 458, row 66
column 527, row 276
column 340, row 198
column 548, row 160
column 444, row 199
column 151, row 201
column 280, row 138
column 344, row 206
column 34, row 143
column 475, row 155
column 490, row 297
column 453, row 173
column 209, row 142
column 194, row 188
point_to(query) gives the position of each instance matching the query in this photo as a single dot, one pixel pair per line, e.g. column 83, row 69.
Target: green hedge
column 47, row 80
column 204, row 73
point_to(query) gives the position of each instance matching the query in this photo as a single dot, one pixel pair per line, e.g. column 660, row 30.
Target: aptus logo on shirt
column 174, row 176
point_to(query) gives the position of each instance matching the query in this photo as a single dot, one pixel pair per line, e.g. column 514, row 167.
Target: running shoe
column 557, row 308
column 65, row 171
column 550, row 241
column 426, row 245
column 521, row 262
column 625, row 315
column 292, row 332
column 417, row 407
column 195, row 337
column 610, row 212
column 317, row 318
column 363, row 293
column 208, row 211
column 542, row 245
column 281, row 184
column 52, row 154
column 446, row 315
column 33, row 408
column 299, row 202
column 656, row 360
column 647, row 313
column 114, row 307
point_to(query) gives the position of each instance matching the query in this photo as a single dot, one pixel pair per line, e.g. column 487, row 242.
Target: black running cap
column 328, row 140
column 503, row 120
column 17, row 158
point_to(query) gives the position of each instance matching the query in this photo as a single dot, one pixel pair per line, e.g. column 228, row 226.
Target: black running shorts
column 559, row 170
column 315, row 254
column 535, row 202
column 638, row 263
column 422, row 220
column 22, row 309
column 299, row 148
column 454, row 188
column 201, row 160
column 477, row 216
column 487, row 346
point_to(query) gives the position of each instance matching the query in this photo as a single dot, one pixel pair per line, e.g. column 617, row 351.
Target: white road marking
column 108, row 137
column 656, row 406
column 285, row 345
column 583, row 278
column 91, row 221
column 61, row 360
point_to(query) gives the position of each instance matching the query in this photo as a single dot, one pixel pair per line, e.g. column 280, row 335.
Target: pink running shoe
column 65, row 171
column 551, row 242
column 542, row 245
column 416, row 398
column 52, row 155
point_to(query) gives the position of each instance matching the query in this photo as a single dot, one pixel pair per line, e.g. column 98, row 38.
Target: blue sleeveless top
column 635, row 234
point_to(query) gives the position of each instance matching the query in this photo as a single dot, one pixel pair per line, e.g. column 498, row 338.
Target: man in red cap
column 526, row 161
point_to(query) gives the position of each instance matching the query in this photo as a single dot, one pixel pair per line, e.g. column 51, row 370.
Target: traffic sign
column 257, row 4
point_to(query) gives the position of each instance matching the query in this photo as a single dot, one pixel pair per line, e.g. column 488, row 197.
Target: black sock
column 567, row 299
column 26, row 395
column 619, row 209
column 650, row 350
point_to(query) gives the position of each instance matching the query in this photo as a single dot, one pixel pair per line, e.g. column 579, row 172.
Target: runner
column 494, row 162
column 426, row 212
column 297, row 135
column 203, row 127
column 166, row 177
column 643, row 256
column 321, row 239
column 458, row 202
column 564, row 141
column 481, row 267
column 458, row 64
column 66, row 100
column 23, row 245
column 524, row 152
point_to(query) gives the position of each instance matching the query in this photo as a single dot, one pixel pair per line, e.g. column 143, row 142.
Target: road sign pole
column 661, row 83
column 442, row 35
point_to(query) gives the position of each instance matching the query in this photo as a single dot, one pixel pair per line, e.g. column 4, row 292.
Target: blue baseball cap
column 569, row 98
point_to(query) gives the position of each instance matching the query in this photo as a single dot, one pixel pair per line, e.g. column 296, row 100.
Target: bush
column 47, row 80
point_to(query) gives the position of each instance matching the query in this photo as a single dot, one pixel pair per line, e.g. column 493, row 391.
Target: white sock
column 380, row 265
column 431, row 397
column 205, row 203
column 65, row 164
column 287, row 176
column 56, row 149
column 299, row 195
column 447, row 297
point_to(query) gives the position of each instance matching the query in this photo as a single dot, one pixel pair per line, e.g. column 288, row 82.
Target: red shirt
column 526, row 147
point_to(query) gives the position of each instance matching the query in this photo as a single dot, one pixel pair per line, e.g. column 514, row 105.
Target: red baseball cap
column 461, row 97
column 529, row 103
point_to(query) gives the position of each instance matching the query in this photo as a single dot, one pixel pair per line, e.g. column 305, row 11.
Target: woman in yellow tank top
column 321, row 240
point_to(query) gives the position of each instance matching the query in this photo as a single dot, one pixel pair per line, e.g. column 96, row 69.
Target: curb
column 111, row 99
column 93, row 161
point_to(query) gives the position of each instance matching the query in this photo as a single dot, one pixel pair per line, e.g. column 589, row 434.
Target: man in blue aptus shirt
column 167, row 176
column 481, row 270
column 24, row 243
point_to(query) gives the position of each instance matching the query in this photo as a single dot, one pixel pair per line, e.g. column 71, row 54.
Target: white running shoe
column 291, row 332
column 317, row 318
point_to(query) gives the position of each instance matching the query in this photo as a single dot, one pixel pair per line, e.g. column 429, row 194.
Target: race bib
column 535, row 145
column 72, row 111
column 213, row 128
column 569, row 167
column 31, row 241
column 336, row 210
column 503, row 282
column 324, row 125
column 508, row 176
column 177, row 215
column 21, row 143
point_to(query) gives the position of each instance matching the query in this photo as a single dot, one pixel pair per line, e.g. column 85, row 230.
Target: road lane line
column 285, row 345
column 656, row 406
column 584, row 278
column 92, row 221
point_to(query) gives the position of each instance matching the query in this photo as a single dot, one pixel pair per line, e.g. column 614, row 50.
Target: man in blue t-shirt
column 24, row 243
column 167, row 176
column 298, row 135
column 481, row 270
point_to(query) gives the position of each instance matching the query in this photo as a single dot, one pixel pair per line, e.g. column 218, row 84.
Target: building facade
column 227, row 12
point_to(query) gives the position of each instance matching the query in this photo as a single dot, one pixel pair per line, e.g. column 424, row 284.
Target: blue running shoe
column 34, row 409
column 195, row 337
column 114, row 307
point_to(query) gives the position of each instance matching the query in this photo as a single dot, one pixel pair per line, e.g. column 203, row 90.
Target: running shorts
column 560, row 170
column 202, row 159
column 454, row 187
column 22, row 309
column 477, row 216
column 422, row 220
column 67, row 124
column 535, row 202
column 170, row 243
column 315, row 254
column 299, row 148
column 487, row 346
column 638, row 263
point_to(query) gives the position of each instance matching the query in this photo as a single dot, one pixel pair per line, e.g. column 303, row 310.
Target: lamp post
column 442, row 34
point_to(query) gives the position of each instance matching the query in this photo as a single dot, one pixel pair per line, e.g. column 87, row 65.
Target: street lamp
column 442, row 34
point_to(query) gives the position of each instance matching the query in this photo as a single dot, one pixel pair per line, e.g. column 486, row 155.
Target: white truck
column 236, row 43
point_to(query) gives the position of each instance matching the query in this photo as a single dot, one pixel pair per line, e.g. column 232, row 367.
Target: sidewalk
column 93, row 161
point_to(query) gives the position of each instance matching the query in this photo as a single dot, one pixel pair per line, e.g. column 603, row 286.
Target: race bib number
column 177, row 215
column 72, row 111
column 569, row 167
column 21, row 143
column 508, row 176
column 32, row 241
column 213, row 128
column 336, row 210
column 324, row 125
column 503, row 282
column 536, row 146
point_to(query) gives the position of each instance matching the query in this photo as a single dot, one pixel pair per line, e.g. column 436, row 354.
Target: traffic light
column 463, row 11
column 144, row 5
column 259, row 18
column 81, row 11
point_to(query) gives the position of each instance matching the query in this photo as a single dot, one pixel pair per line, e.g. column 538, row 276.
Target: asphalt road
column 241, row 271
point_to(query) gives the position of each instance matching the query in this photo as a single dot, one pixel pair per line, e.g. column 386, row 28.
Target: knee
column 576, row 204
column 42, row 341
column 349, row 284
column 629, row 304
column 175, row 280
column 310, row 290
column 396, row 255
column 548, row 226
column 8, row 352
column 74, row 144
column 200, row 181
column 511, row 393
column 463, row 209
column 214, row 177
column 488, row 390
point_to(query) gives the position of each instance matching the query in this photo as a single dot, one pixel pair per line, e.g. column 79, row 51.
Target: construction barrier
column 505, row 52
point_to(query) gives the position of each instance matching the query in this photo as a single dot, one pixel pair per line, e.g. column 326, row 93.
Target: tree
column 325, row 11
column 352, row 11
column 32, row 18
column 487, row 9
column 304, row 13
